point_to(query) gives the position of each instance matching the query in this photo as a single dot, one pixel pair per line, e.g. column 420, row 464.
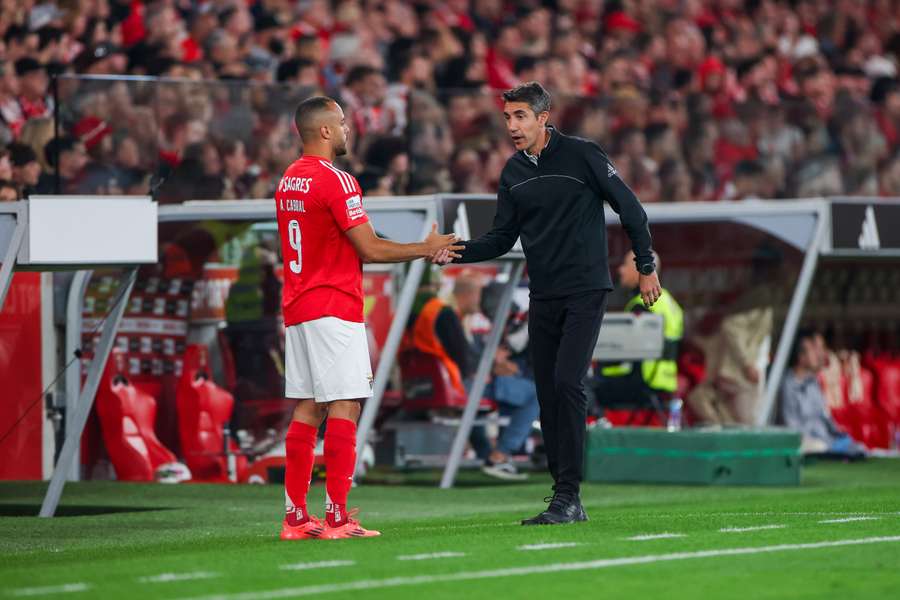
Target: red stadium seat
column 203, row 411
column 862, row 418
column 887, row 387
column 427, row 384
column 127, row 416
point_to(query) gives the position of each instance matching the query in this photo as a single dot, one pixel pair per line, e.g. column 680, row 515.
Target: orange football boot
column 350, row 529
column 310, row 530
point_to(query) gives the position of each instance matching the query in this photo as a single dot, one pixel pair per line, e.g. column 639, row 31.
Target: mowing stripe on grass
column 432, row 555
column 654, row 536
column 368, row 584
column 50, row 589
column 743, row 529
column 170, row 577
column 325, row 564
column 548, row 546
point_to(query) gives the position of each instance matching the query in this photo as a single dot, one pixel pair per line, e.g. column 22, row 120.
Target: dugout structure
column 711, row 256
column 54, row 233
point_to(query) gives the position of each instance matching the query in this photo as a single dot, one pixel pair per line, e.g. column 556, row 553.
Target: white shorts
column 327, row 359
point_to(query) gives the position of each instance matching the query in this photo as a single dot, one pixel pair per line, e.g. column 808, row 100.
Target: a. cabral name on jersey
column 290, row 204
column 294, row 184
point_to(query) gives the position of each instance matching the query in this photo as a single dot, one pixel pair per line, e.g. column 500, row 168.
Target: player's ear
column 325, row 132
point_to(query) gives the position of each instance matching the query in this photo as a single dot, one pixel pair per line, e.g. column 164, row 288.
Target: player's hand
column 435, row 242
column 650, row 289
column 444, row 257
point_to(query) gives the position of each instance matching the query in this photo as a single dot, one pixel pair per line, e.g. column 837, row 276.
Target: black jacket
column 556, row 207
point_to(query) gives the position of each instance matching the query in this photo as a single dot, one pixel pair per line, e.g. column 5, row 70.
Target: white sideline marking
column 170, row 577
column 432, row 555
column 548, row 546
column 368, row 584
column 51, row 589
column 743, row 529
column 654, row 536
column 318, row 565
column 849, row 519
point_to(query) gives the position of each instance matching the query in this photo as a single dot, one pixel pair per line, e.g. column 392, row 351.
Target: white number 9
column 294, row 238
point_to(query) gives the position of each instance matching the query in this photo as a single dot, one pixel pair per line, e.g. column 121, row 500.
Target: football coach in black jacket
column 551, row 194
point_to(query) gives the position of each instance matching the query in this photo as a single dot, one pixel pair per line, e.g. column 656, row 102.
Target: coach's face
column 523, row 125
column 339, row 131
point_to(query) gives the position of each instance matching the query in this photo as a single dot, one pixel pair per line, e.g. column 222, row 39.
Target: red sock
column 300, row 446
column 340, row 458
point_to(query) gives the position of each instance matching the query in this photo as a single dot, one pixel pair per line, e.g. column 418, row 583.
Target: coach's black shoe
column 564, row 508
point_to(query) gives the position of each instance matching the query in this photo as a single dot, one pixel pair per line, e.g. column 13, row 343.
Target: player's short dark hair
column 531, row 93
column 308, row 111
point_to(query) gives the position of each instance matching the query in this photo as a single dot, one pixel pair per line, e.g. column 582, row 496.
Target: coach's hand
column 650, row 289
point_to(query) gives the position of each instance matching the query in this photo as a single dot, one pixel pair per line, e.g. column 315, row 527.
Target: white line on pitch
column 654, row 536
column 50, row 589
column 432, row 555
column 171, row 577
column 318, row 565
column 548, row 546
column 743, row 529
column 369, row 584
column 849, row 519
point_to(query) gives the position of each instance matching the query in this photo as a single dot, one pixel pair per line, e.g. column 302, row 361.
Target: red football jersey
column 316, row 203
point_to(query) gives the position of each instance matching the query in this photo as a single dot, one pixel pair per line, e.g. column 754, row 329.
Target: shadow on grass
column 32, row 510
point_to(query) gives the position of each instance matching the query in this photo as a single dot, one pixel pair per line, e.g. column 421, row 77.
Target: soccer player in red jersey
column 325, row 237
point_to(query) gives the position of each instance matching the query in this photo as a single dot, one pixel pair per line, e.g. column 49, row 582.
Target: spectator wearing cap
column 67, row 158
column 26, row 170
column 104, row 58
column 94, row 133
column 33, row 87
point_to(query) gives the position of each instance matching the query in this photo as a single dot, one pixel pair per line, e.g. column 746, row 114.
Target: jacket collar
column 552, row 143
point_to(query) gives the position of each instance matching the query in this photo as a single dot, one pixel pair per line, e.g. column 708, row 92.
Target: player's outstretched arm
column 373, row 249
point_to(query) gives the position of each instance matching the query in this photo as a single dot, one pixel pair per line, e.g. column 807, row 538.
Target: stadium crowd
column 693, row 99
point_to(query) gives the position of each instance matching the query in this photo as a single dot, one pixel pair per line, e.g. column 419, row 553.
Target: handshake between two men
column 444, row 248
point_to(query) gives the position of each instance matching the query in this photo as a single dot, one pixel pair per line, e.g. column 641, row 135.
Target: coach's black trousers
column 562, row 335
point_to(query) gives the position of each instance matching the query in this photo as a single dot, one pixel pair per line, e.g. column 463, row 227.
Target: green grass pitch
column 836, row 536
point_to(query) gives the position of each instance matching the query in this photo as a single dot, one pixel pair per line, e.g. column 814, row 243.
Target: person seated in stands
column 511, row 387
column 639, row 384
column 434, row 328
column 803, row 406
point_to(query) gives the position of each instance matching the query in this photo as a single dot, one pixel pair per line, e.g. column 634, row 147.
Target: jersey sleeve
column 344, row 200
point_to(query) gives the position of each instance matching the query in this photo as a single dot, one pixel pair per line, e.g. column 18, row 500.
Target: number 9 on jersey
column 294, row 238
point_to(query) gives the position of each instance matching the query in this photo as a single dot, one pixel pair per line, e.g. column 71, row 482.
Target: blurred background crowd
column 693, row 99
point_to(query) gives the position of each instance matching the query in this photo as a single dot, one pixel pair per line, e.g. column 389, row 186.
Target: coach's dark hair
column 531, row 93
column 307, row 111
